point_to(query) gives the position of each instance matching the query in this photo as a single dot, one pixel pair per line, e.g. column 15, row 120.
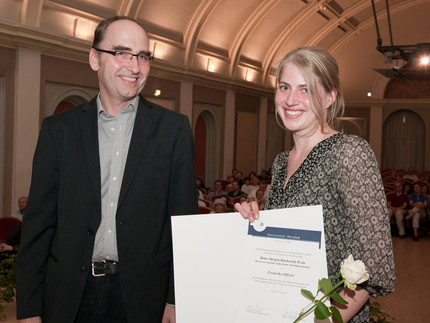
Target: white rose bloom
column 354, row 272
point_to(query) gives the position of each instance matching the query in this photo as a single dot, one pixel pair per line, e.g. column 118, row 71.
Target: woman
column 335, row 170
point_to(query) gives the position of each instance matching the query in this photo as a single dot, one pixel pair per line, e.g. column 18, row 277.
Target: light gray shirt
column 114, row 141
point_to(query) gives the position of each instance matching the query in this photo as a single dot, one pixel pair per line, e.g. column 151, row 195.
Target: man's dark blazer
column 64, row 211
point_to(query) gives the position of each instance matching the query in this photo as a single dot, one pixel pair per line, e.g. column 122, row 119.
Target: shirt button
column 112, row 204
column 114, row 178
column 90, row 232
column 84, row 269
column 112, row 129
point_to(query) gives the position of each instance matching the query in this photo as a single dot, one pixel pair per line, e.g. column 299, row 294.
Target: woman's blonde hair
column 317, row 65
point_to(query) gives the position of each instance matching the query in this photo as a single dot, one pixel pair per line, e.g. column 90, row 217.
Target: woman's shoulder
column 353, row 142
column 282, row 157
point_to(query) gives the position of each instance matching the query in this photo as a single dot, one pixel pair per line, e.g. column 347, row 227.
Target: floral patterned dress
column 342, row 174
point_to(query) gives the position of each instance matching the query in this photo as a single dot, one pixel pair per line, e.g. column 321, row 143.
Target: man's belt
column 104, row 267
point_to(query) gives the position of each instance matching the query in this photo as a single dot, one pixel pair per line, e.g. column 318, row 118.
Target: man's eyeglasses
column 124, row 56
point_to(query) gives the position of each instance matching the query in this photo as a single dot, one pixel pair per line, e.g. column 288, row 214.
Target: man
column 261, row 186
column 217, row 190
column 107, row 176
column 22, row 202
column 411, row 174
column 418, row 203
column 235, row 190
column 397, row 203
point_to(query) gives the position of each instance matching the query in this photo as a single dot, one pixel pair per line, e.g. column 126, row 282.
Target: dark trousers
column 102, row 301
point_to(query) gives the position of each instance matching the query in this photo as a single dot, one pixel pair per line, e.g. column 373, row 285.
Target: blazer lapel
column 89, row 131
column 143, row 126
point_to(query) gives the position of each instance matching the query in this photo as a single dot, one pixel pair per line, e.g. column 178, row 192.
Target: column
column 186, row 100
column 262, row 133
column 26, row 120
column 229, row 132
column 375, row 131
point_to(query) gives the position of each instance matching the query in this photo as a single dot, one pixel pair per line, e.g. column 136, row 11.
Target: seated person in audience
column 261, row 186
column 397, row 204
column 253, row 185
column 411, row 174
column 22, row 203
column 239, row 178
column 246, row 187
column 11, row 243
column 217, row 190
column 200, row 184
column 235, row 192
column 418, row 203
column 407, row 189
column 260, row 198
column 264, row 176
column 220, row 205
column 228, row 188
column 425, row 191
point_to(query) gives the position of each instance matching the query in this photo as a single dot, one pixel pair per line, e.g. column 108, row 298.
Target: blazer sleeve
column 182, row 190
column 38, row 226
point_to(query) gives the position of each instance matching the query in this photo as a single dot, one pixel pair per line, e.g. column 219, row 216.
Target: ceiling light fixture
column 416, row 58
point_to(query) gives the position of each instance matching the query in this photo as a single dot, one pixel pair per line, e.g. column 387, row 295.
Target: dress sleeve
column 367, row 232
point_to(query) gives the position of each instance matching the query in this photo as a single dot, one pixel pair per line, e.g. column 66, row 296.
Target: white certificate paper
column 229, row 271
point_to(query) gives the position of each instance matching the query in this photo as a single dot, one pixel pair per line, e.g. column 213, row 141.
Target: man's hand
column 35, row 319
column 169, row 315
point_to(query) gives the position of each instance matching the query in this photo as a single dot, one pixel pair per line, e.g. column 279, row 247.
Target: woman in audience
column 407, row 188
column 335, row 170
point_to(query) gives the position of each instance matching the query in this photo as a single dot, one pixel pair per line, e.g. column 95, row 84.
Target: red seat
column 204, row 210
column 6, row 226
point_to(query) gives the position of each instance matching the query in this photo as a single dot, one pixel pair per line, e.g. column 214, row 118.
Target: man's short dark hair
column 102, row 26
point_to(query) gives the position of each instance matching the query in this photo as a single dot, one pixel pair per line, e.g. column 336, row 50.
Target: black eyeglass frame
column 149, row 59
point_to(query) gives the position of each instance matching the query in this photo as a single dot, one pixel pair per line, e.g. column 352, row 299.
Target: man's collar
column 133, row 104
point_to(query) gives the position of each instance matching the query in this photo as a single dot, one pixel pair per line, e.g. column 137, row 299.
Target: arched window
column 403, row 141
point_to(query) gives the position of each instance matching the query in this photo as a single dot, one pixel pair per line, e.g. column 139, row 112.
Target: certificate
column 227, row 270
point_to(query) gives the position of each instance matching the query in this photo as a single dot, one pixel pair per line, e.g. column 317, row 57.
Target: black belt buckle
column 98, row 268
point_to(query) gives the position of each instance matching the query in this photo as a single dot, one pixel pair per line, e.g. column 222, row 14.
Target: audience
column 252, row 186
column 397, row 204
column 219, row 206
column 418, row 203
column 217, row 190
column 235, row 192
column 22, row 203
column 411, row 174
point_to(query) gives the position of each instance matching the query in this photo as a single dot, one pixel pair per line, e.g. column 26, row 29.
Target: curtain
column 403, row 141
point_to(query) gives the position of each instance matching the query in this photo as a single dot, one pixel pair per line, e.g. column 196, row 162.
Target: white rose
column 353, row 271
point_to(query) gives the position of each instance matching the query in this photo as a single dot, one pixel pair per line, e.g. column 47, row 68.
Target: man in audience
column 107, row 177
column 22, row 202
column 397, row 203
column 235, row 192
column 253, row 185
column 239, row 178
column 261, row 186
column 418, row 203
column 217, row 190
column 411, row 174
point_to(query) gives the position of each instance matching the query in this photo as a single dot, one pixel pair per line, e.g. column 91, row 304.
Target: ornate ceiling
column 235, row 42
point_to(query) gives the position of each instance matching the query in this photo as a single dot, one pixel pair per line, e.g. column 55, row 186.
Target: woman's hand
column 249, row 210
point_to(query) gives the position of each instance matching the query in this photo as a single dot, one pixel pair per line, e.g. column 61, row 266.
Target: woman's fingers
column 248, row 211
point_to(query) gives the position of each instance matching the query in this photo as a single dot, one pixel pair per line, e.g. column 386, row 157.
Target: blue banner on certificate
column 227, row 270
